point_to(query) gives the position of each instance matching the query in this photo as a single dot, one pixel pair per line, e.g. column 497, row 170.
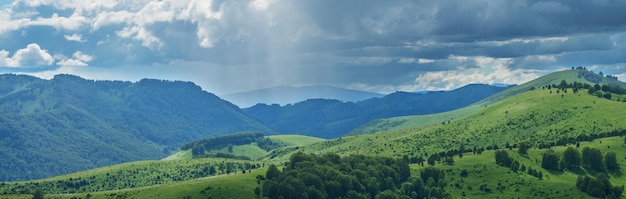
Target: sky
column 229, row 46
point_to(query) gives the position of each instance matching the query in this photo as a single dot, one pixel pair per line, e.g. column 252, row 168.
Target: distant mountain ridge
column 67, row 124
column 284, row 95
column 330, row 118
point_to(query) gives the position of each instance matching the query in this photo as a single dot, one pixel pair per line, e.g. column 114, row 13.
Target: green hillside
column 133, row 175
column 548, row 118
column 396, row 123
column 483, row 178
column 295, row 140
column 482, row 171
column 68, row 124
column 251, row 146
column 331, row 118
column 542, row 117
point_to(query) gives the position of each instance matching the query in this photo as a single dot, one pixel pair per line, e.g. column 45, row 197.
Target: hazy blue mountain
column 330, row 118
column 67, row 124
column 284, row 95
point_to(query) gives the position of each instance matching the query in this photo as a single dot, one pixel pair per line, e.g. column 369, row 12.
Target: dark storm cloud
column 394, row 43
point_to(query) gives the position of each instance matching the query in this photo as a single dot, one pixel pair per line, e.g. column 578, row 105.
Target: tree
column 197, row 150
column 571, row 156
column 448, row 160
column 257, row 191
column 592, row 159
column 563, row 85
column 599, row 187
column 38, row 194
column 212, row 170
column 272, row 172
column 387, row 194
column 523, row 148
column 550, row 160
column 503, row 159
column 610, row 160
column 432, row 172
column 434, row 157
column 464, row 173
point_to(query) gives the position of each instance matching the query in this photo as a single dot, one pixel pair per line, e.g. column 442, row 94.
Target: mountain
column 416, row 121
column 284, row 95
column 67, row 124
column 549, row 119
column 329, row 118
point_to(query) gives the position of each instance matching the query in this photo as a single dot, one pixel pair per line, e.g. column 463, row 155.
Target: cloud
column 75, row 37
column 31, row 56
column 80, row 59
column 492, row 71
column 413, row 60
column 71, row 62
column 378, row 45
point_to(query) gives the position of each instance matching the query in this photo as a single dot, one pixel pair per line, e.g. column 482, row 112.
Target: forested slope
column 67, row 124
column 329, row 118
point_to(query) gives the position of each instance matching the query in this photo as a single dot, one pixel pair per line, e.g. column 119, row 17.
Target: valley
column 548, row 115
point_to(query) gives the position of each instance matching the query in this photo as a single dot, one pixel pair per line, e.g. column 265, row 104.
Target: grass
column 180, row 155
column 131, row 175
column 240, row 185
column 541, row 117
column 419, row 121
column 295, row 140
column 252, row 150
column 483, row 170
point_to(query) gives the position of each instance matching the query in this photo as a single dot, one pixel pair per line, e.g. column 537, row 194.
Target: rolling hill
column 68, row 124
column 414, row 121
column 548, row 119
column 543, row 117
column 284, row 95
column 333, row 118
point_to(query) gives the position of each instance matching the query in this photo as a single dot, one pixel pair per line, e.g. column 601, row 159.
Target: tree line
column 354, row 176
column 199, row 147
column 598, row 90
column 590, row 158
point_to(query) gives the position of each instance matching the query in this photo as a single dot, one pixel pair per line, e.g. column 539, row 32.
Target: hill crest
column 416, row 121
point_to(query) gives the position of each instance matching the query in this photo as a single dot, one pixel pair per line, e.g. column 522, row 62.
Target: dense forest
column 354, row 176
column 68, row 124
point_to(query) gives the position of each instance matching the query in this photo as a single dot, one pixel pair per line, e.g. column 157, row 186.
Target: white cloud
column 425, row 61
column 109, row 18
column 5, row 60
column 82, row 57
column 74, row 22
column 71, row 62
column 407, row 61
column 492, row 70
column 75, row 37
column 31, row 56
column 79, row 59
column 413, row 61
